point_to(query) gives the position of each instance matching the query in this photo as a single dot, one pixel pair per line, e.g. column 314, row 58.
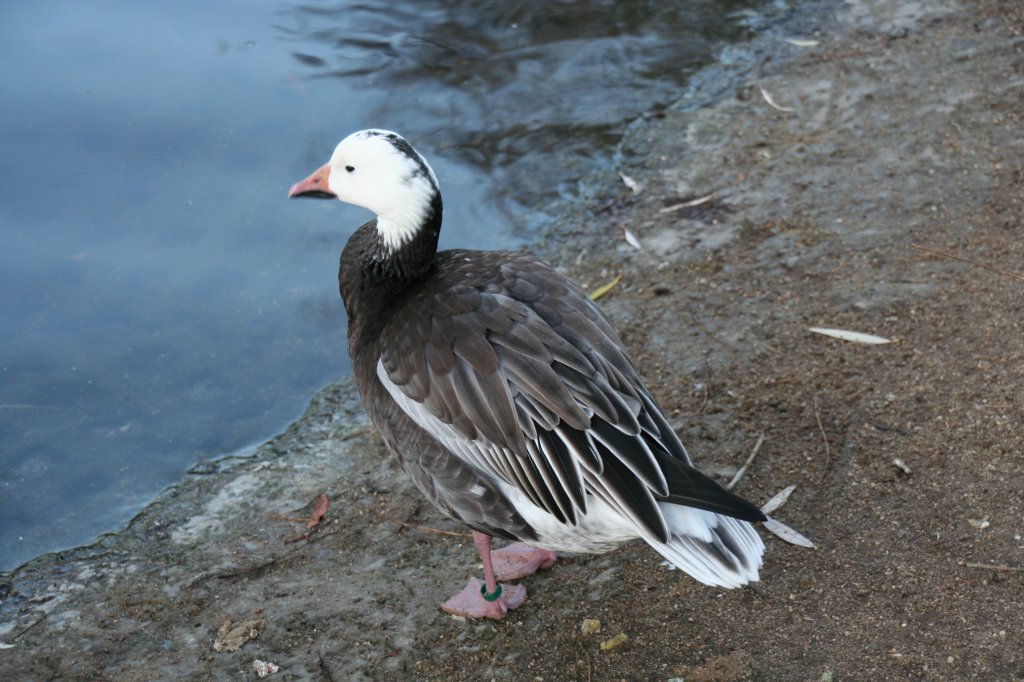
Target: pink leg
column 472, row 603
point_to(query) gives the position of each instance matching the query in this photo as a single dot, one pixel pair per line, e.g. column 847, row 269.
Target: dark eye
column 349, row 168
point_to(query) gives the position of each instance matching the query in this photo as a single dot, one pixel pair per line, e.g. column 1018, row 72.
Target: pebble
column 616, row 641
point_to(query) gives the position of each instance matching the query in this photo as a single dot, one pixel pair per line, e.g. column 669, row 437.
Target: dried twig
column 711, row 334
column 743, row 469
column 37, row 621
column 824, row 437
column 996, row 567
column 990, row 268
column 687, row 204
column 257, row 569
column 356, row 434
column 249, row 570
column 428, row 529
column 590, row 667
column 707, row 381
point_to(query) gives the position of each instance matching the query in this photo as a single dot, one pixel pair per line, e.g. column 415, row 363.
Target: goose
column 507, row 396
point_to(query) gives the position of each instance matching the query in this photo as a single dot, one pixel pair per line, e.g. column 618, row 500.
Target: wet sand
column 904, row 143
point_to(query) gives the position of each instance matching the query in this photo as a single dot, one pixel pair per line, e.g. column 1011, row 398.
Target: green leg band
column 492, row 596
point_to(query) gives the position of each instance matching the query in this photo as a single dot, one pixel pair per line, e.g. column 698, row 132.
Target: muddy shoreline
column 904, row 132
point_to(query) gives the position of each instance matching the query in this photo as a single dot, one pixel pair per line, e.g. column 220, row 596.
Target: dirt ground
column 908, row 458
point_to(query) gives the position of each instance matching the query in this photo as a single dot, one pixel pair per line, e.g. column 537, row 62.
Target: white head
column 378, row 170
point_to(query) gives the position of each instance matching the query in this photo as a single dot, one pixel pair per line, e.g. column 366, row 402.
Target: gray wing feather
column 523, row 379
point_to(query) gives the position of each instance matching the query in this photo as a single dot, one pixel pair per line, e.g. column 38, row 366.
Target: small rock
column 231, row 636
column 616, row 641
column 264, row 668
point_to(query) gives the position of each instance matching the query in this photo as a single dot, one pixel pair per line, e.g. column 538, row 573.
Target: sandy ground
column 908, row 457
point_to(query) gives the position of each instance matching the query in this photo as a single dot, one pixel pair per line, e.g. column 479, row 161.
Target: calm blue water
column 161, row 301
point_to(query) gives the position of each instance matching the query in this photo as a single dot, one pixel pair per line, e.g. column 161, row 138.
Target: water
column 161, row 302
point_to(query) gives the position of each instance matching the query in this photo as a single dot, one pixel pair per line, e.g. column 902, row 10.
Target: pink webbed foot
column 471, row 603
column 519, row 560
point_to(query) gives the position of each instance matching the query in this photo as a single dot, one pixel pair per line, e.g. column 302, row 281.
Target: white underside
column 602, row 529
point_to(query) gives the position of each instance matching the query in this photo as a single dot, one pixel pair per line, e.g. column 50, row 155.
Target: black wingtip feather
column 688, row 486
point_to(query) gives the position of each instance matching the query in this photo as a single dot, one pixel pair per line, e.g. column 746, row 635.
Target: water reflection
column 535, row 93
column 161, row 300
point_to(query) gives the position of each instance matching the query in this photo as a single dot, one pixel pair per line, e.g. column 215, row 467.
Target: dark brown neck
column 371, row 276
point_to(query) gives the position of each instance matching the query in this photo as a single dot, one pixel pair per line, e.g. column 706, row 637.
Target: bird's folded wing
column 526, row 381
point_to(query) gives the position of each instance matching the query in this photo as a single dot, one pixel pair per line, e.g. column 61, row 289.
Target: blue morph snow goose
column 508, row 397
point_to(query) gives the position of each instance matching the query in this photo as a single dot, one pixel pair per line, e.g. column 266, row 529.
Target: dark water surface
column 161, row 302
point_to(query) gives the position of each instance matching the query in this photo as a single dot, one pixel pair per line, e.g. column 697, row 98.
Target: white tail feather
column 712, row 548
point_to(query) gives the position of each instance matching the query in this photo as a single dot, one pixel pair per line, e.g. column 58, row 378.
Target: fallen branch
column 952, row 256
column 427, row 529
column 248, row 570
column 687, row 204
column 37, row 621
column 356, row 434
column 996, row 567
column 824, row 437
column 257, row 569
column 743, row 469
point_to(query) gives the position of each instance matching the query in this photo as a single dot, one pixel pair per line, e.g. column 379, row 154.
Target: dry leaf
column 319, row 510
column 631, row 239
column 778, row 500
column 630, row 183
column 854, row 337
column 771, row 102
column 786, row 533
column 604, row 289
